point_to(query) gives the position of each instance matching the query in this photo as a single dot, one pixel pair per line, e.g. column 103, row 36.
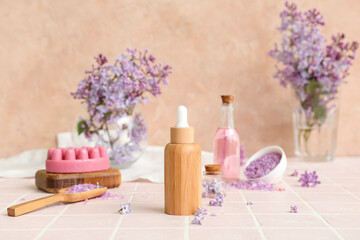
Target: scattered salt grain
column 254, row 185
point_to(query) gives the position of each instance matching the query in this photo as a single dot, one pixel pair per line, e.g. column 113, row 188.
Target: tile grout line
column 179, row 228
column 314, row 211
column 15, row 201
column 341, row 187
column 51, row 223
column 257, row 224
column 119, row 222
column 186, row 230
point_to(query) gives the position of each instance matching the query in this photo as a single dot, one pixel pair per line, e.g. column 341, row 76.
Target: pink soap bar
column 77, row 160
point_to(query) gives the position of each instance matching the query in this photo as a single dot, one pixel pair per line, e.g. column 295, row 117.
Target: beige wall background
column 215, row 47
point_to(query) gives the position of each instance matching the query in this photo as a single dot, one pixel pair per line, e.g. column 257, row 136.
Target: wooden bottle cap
column 227, row 98
column 182, row 135
column 213, row 168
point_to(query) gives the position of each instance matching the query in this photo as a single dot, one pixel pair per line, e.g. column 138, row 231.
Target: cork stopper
column 213, row 168
column 227, row 98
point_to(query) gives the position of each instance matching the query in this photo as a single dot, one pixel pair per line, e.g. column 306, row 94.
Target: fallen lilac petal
column 293, row 209
column 249, row 203
column 201, row 212
column 213, row 214
column 295, row 173
column 125, row 208
column 197, row 220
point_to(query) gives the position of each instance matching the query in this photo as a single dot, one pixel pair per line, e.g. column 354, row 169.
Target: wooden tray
column 52, row 182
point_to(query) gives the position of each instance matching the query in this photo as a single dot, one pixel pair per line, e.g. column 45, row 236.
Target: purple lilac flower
column 199, row 216
column 124, row 208
column 293, row 209
column 197, row 220
column 211, row 188
column 309, row 179
column 111, row 91
column 262, row 165
column 219, row 200
column 201, row 212
column 295, row 173
column 314, row 70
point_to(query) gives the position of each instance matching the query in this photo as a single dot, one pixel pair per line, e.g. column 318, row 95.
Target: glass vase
column 315, row 141
column 125, row 139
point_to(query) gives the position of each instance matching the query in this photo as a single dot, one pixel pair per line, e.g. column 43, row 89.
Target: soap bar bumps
column 182, row 170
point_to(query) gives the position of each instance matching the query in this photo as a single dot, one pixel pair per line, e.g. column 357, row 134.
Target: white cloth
column 149, row 167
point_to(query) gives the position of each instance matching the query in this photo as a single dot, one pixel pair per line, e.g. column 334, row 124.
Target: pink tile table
column 328, row 211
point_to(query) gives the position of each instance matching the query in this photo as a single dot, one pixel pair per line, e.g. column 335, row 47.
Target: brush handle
column 26, row 207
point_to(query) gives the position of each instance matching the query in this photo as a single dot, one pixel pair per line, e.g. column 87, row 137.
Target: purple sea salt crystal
column 293, row 209
column 86, row 187
column 81, row 188
column 309, row 179
column 124, row 208
column 254, row 185
column 262, row 165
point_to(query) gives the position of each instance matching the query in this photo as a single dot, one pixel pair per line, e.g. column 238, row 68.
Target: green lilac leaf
column 80, row 128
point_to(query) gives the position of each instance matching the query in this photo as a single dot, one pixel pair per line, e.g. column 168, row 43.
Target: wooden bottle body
column 182, row 178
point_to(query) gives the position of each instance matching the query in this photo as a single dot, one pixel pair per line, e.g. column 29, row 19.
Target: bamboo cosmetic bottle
column 182, row 169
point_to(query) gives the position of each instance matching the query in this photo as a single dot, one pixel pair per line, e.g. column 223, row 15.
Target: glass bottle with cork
column 227, row 141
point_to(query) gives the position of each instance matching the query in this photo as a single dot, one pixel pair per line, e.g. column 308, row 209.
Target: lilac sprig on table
column 310, row 179
column 124, row 208
column 111, row 91
column 314, row 70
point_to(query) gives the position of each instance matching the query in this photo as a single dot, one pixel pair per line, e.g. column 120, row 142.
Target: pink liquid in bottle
column 227, row 142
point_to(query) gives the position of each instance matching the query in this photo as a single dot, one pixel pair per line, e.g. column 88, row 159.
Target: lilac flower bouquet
column 314, row 68
column 111, row 92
